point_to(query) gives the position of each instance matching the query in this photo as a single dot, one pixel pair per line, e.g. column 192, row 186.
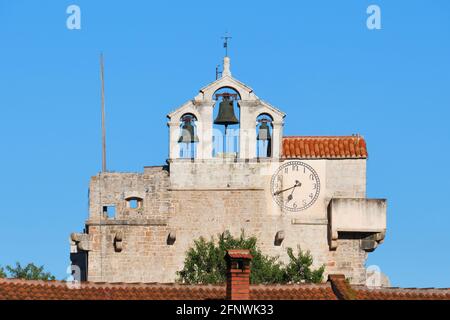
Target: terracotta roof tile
column 13, row 289
column 346, row 147
column 343, row 290
column 292, row 292
column 336, row 288
column 239, row 254
column 365, row 293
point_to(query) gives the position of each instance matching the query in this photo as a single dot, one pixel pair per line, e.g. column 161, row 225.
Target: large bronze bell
column 264, row 132
column 226, row 114
column 187, row 133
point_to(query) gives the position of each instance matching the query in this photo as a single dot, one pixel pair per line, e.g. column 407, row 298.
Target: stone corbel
column 171, row 238
column 375, row 239
column 279, row 237
column 81, row 241
column 333, row 237
column 371, row 242
column 118, row 244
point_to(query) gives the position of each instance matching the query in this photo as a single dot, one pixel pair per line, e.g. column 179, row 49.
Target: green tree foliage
column 299, row 268
column 2, row 273
column 29, row 272
column 205, row 263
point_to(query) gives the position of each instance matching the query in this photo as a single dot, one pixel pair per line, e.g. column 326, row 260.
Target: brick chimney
column 238, row 274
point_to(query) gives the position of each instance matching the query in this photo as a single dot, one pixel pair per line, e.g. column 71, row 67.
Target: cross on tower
column 225, row 43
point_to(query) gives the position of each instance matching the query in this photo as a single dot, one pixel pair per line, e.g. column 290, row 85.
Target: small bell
column 187, row 132
column 264, row 132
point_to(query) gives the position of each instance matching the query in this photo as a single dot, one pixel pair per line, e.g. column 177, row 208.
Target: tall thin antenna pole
column 102, row 75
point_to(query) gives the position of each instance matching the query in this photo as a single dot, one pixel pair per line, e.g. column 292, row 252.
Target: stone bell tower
column 305, row 191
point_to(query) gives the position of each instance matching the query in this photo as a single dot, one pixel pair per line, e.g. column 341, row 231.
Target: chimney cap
column 238, row 254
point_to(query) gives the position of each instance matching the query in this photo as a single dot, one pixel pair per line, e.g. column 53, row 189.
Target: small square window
column 109, row 211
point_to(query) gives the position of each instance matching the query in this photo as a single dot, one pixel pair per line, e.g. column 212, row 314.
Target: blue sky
column 315, row 60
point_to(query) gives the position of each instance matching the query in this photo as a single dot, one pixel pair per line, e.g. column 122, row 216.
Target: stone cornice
column 157, row 221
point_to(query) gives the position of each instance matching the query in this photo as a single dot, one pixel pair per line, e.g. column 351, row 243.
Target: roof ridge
column 413, row 289
column 341, row 287
column 324, row 137
column 292, row 285
column 87, row 284
column 19, row 280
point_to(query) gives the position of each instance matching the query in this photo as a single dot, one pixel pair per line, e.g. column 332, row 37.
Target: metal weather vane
column 225, row 43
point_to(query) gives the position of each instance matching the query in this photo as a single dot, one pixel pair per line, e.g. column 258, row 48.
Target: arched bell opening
column 264, row 130
column 188, row 136
column 226, row 123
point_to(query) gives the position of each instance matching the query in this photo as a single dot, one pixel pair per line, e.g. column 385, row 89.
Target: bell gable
column 250, row 108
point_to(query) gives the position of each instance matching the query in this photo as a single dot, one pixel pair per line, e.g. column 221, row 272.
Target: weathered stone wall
column 348, row 258
column 112, row 189
column 346, row 178
column 145, row 257
column 205, row 199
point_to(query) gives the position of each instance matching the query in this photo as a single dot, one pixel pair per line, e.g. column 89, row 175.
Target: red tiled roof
column 13, row 289
column 365, row 293
column 335, row 289
column 346, row 147
column 292, row 292
column 344, row 291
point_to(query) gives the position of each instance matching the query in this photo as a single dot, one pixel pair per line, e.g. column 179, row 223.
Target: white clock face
column 295, row 186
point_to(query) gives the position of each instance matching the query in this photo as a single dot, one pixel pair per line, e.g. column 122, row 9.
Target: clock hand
column 291, row 196
column 297, row 184
column 281, row 191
